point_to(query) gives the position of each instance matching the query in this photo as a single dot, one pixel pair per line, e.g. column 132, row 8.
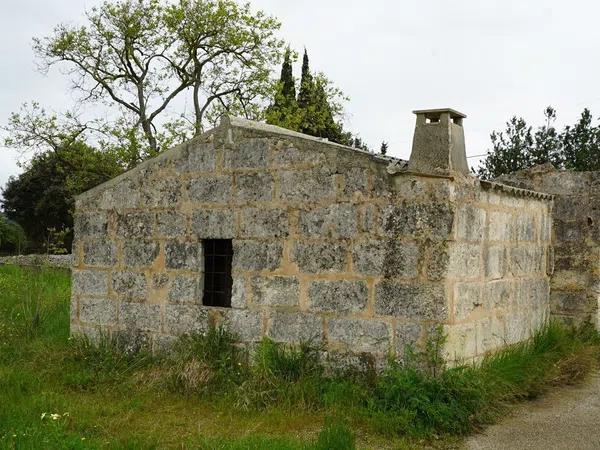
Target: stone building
column 274, row 233
column 575, row 283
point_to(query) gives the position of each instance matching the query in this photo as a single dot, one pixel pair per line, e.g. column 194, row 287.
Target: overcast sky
column 489, row 59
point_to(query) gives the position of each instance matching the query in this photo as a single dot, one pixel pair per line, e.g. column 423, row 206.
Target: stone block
column 572, row 231
column 90, row 282
column 465, row 261
column 171, row 224
column 275, row 291
column 186, row 289
column 526, row 260
column 290, row 156
column 164, row 345
column 213, row 189
column 498, row 294
column 255, row 187
column 247, row 154
column 98, row 311
column 264, row 223
column 339, row 296
column 239, row 296
column 406, row 336
column 201, row 157
column 139, row 253
column 213, row 224
column 307, row 186
column 495, row 262
column 139, row 316
column 470, row 223
column 130, row 285
column 368, row 218
column 336, row 220
column 386, row 257
column 90, row 224
column 420, row 301
column 569, row 302
column 517, row 328
column 525, row 227
column 461, row 342
column 356, row 181
column 426, row 220
column 467, row 299
column 124, row 194
column 246, row 324
column 437, row 262
column 185, row 319
column 99, row 253
column 161, row 193
column 295, row 327
column 133, row 341
column 136, row 225
column 183, row 255
column 315, row 257
column 358, row 336
column 256, row 255
column 500, row 227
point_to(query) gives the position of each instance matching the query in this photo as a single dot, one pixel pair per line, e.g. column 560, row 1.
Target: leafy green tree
column 12, row 236
column 581, row 144
column 548, row 145
column 139, row 55
column 519, row 147
column 510, row 150
column 224, row 52
column 42, row 197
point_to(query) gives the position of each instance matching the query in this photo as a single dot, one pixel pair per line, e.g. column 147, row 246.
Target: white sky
column 487, row 58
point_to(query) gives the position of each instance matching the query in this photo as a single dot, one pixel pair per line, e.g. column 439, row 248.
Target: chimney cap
column 434, row 113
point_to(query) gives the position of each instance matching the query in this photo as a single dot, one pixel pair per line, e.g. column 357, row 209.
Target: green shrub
column 335, row 436
column 208, row 362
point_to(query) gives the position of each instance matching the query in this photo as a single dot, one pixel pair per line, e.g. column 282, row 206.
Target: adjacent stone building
column 274, row 233
column 575, row 283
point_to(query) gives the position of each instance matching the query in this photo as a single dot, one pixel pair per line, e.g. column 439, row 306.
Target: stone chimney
column 439, row 142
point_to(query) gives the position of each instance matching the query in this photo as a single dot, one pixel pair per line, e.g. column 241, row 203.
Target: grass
column 210, row 394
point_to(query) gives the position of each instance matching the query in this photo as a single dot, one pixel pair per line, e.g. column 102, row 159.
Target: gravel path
column 566, row 419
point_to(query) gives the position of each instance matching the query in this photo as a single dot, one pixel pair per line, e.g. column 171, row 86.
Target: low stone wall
column 575, row 284
column 59, row 261
column 498, row 271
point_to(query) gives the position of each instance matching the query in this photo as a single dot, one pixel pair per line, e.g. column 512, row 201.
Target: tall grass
column 104, row 388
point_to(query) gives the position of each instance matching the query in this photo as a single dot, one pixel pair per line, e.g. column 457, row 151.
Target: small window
column 217, row 272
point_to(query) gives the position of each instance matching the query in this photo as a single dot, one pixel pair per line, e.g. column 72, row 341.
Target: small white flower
column 55, row 416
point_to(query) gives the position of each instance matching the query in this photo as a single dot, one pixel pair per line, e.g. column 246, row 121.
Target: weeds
column 132, row 400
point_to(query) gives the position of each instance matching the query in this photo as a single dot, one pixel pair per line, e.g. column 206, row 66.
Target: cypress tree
column 284, row 111
column 288, row 85
column 306, row 84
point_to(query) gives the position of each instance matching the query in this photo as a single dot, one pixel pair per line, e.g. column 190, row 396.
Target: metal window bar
column 218, row 254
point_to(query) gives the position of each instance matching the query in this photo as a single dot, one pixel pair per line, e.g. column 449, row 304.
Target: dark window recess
column 217, row 272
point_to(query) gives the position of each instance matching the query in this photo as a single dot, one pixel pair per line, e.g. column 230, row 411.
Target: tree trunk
column 197, row 109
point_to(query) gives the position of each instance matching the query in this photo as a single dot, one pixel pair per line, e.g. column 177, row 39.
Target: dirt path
column 567, row 419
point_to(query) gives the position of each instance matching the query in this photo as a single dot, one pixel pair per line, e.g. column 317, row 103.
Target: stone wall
column 498, row 271
column 575, row 284
column 328, row 247
column 59, row 261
